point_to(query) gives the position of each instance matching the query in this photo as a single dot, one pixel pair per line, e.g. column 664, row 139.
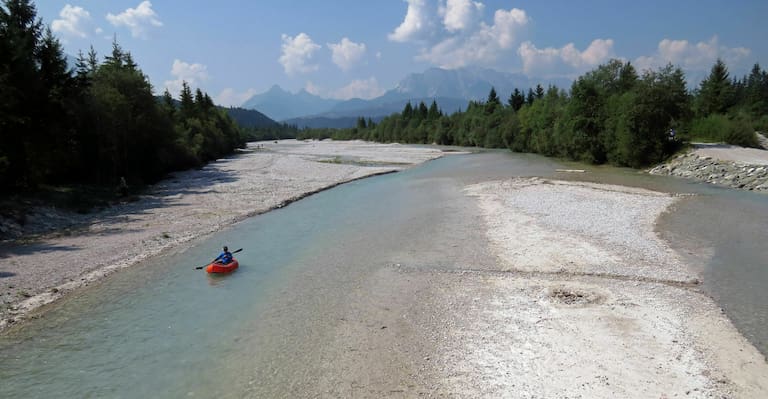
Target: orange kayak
column 221, row 268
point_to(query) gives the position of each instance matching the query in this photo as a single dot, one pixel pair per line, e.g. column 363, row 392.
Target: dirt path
column 733, row 153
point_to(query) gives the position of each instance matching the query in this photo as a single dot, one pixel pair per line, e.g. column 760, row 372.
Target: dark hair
column 225, row 248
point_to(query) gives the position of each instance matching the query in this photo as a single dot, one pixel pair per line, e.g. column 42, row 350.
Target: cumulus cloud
column 346, row 53
column 460, row 14
column 314, row 89
column 231, row 98
column 359, row 88
column 480, row 46
column 139, row 20
column 72, row 23
column 692, row 56
column 417, row 22
column 453, row 33
column 565, row 60
column 193, row 74
column 297, row 52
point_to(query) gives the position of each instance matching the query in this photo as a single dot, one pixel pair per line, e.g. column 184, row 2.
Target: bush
column 720, row 128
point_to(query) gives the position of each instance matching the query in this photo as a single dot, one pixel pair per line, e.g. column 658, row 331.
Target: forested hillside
column 611, row 115
column 97, row 123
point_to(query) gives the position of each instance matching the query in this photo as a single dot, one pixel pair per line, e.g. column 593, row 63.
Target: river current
column 164, row 329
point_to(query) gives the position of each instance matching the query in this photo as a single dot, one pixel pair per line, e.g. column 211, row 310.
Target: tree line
column 611, row 114
column 96, row 123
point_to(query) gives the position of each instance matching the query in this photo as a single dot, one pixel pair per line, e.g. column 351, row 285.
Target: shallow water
column 163, row 329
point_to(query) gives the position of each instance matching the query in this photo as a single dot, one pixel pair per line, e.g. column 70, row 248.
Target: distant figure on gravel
column 224, row 258
column 122, row 188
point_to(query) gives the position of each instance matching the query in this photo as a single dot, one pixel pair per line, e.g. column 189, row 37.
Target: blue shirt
column 225, row 257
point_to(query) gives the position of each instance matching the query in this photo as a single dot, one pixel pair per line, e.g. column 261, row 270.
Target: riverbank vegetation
column 612, row 114
column 98, row 123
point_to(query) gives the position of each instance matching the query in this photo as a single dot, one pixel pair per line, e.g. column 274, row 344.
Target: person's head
column 225, row 248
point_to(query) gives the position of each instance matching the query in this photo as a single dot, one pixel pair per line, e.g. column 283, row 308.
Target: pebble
column 731, row 174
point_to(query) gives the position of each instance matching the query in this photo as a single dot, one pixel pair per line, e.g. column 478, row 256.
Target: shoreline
column 720, row 164
column 172, row 212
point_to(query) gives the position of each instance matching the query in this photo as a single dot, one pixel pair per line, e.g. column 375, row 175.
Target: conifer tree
column 715, row 92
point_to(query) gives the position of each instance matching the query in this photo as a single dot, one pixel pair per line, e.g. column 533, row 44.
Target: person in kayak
column 224, row 257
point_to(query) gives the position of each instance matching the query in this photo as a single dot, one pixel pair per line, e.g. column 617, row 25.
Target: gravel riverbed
column 68, row 250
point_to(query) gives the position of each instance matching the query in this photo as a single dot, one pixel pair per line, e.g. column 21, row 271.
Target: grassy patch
column 362, row 162
column 334, row 160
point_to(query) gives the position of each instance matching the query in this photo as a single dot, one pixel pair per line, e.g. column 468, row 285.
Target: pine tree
column 187, row 101
column 716, row 91
column 423, row 111
column 434, row 112
column 22, row 93
column 93, row 60
column 516, row 100
column 408, row 111
column 530, row 98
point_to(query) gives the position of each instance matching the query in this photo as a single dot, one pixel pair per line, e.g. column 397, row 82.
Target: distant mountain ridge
column 467, row 83
column 250, row 118
column 280, row 105
column 451, row 88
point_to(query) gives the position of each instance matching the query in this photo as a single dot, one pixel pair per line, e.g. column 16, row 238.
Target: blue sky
column 346, row 48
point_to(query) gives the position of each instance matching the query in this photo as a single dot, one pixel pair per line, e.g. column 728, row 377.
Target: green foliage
column 611, row 115
column 97, row 123
column 716, row 93
column 721, row 128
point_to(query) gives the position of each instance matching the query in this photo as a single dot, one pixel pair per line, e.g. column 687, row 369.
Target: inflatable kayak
column 222, row 268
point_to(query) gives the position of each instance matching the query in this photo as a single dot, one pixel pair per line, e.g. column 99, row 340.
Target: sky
column 361, row 48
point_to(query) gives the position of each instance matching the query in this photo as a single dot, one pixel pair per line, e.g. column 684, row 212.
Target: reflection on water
column 162, row 329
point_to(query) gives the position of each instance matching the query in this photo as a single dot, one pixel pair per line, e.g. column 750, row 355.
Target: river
column 163, row 329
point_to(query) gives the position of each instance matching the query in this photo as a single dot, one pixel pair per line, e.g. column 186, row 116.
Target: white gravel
column 733, row 153
column 590, row 304
column 597, row 229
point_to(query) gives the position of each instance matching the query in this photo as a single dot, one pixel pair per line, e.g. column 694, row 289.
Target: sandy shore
column 186, row 206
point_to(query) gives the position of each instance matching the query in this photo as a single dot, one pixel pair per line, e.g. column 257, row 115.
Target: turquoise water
column 163, row 329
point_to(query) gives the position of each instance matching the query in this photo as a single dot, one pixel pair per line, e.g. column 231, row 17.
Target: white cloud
column 482, row 46
column 460, row 14
column 313, row 89
column 566, row 60
column 359, row 88
column 193, row 74
column 231, row 98
column 416, row 24
column 139, row 20
column 297, row 52
column 378, row 55
column 692, row 57
column 72, row 22
column 346, row 53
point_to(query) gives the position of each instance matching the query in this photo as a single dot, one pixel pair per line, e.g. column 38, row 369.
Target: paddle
column 233, row 252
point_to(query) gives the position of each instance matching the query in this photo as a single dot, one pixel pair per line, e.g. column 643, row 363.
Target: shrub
column 720, row 128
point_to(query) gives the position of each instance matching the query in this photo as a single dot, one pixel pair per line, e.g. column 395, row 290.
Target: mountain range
column 450, row 88
column 280, row 105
